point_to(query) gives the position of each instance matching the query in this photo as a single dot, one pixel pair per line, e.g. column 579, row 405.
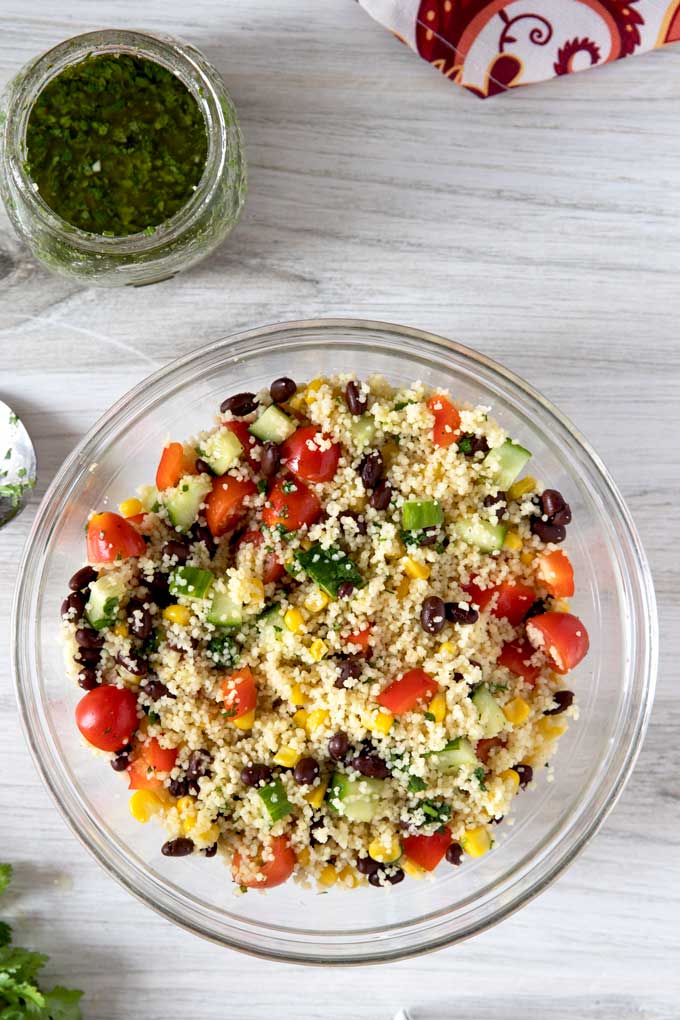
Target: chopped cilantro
column 479, row 774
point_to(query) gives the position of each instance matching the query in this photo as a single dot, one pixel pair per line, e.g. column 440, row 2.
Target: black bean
column 306, row 771
column 370, row 765
column 73, row 605
column 202, row 533
column 371, row 469
column 536, row 609
column 354, row 398
column 316, row 826
column 548, row 532
column 176, row 550
column 455, row 614
column 256, row 775
column 82, row 578
column 210, row 851
column 345, row 590
column 87, row 679
column 454, row 853
column 89, row 638
column 562, row 517
column 120, row 762
column 239, row 405
column 156, row 689
column 551, row 502
column 470, row 444
column 381, row 496
column 203, row 467
column 181, row 847
column 270, row 459
column 158, row 590
column 367, row 866
column 499, row 501
column 525, row 773
column 433, row 614
column 359, row 520
column 338, row 746
column 563, row 700
column 133, row 663
column 88, row 656
column 382, row 877
column 282, row 389
column 198, row 765
column 428, row 536
column 178, row 787
column 349, row 669
column 139, row 619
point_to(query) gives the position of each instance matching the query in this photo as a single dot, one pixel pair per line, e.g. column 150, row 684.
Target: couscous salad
column 331, row 641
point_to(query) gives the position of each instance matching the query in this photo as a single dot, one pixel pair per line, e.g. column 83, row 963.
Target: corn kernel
column 317, row 600
column 315, row 719
column 296, row 696
column 349, row 877
column 403, row 587
column 294, row 620
column 303, row 856
column 185, row 805
column 245, row 722
column 208, row 835
column 517, row 711
column 131, row 507
column 510, row 776
column 300, row 718
column 311, row 390
column 551, row 729
column 437, row 707
column 177, row 614
column 411, row 868
column 287, row 757
column 297, row 401
column 143, row 804
column 384, row 852
column 378, row 722
column 560, row 606
column 315, row 798
column 121, row 629
column 328, row 876
column 418, row 571
column 448, row 648
column 189, row 823
column 522, row 487
column 527, row 558
column 512, row 541
column 253, row 591
column 476, row 842
column 317, row 650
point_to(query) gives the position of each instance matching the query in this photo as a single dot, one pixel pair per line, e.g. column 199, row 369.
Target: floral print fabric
column 489, row 46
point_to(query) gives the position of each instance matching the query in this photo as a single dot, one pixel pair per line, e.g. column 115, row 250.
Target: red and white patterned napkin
column 489, row 46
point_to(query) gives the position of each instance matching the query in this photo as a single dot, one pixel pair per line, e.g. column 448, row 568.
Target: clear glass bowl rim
column 169, row 901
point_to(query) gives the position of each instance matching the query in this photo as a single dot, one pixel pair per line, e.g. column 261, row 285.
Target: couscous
column 330, row 642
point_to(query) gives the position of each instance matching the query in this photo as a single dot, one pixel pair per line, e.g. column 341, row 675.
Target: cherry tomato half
column 557, row 574
column 403, row 695
column 512, row 600
column 161, row 758
column 446, row 420
column 562, row 636
column 516, row 656
column 224, row 505
column 107, row 717
column 427, row 851
column 110, row 537
column 361, row 639
column 272, row 569
column 142, row 777
column 310, row 454
column 276, row 869
column 291, row 505
column 239, row 693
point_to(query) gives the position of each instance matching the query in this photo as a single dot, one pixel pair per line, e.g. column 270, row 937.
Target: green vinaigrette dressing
column 116, row 145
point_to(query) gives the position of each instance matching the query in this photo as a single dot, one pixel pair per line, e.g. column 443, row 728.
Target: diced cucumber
column 221, row 450
column 224, row 612
column 421, row 513
column 223, row 650
column 275, row 800
column 184, row 501
column 487, row 537
column 456, row 755
column 102, row 605
column 148, row 496
column 272, row 617
column 363, row 430
column 329, row 568
column 273, row 426
column 192, row 582
column 505, row 463
column 356, row 799
column 491, row 714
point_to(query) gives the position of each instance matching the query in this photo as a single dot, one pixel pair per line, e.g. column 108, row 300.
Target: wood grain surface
column 542, row 228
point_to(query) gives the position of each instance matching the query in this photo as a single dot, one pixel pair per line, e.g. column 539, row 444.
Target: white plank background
column 542, row 228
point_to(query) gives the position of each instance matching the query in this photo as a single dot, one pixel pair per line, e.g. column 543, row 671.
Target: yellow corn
column 512, row 777
column 476, row 842
column 328, row 876
column 121, row 629
column 522, row 487
column 294, row 620
column 378, row 722
column 385, row 853
column 304, row 856
column 245, row 722
column 551, row 729
column 130, row 507
column 411, row 868
column 349, row 877
column 512, row 541
column 315, row 719
column 317, row 600
column 287, row 757
column 418, row 571
column 517, row 711
column 403, row 587
column 527, row 558
column 209, row 835
column 189, row 823
column 143, row 804
column 253, row 592
column 437, row 707
column 311, row 390
column 177, row 614
column 315, row 798
column 317, row 650
column 300, row 718
column 296, row 698
column 560, row 606
column 448, row 648
column 185, row 805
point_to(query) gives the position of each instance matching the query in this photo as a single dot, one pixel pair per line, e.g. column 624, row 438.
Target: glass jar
column 188, row 236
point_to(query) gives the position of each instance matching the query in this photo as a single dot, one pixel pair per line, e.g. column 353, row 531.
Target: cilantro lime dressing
column 116, row 144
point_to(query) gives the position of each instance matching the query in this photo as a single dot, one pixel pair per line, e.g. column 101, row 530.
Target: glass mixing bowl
column 553, row 822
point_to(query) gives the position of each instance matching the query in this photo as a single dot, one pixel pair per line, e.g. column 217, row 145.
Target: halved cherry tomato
column 307, row 454
column 142, row 777
column 248, row 442
column 361, row 638
column 136, row 518
column 485, row 747
column 274, row 871
column 513, row 601
column 224, row 505
column 557, row 574
column 427, row 851
column 110, row 537
column 272, row 570
column 291, row 509
column 161, row 758
column 239, row 693
column 515, row 656
column 446, row 420
column 173, row 465
column 562, row 636
column 403, row 694
column 107, row 717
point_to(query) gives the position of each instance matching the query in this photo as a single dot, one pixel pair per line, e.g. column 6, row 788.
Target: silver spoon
column 17, row 464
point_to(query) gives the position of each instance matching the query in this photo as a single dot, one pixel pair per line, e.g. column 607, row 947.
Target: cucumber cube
column 329, row 568
column 363, row 430
column 224, row 612
column 102, row 605
column 273, row 426
column 421, row 513
column 491, row 715
column 487, row 537
column 192, row 582
column 275, row 800
column 505, row 462
column 356, row 799
column 221, row 450
column 184, row 501
column 457, row 754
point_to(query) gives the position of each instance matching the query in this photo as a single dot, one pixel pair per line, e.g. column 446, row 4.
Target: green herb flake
column 479, row 775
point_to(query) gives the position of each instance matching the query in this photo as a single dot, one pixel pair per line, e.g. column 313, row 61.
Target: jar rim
column 183, row 60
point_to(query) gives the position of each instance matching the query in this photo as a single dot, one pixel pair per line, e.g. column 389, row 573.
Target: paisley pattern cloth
column 489, row 46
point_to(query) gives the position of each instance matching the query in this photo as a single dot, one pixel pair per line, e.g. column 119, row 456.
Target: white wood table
column 542, row 228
